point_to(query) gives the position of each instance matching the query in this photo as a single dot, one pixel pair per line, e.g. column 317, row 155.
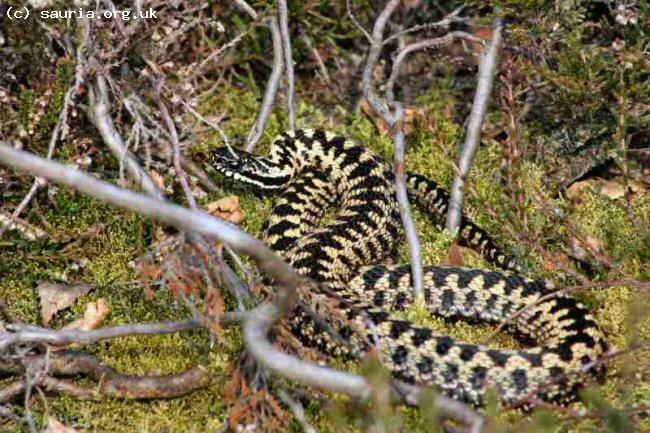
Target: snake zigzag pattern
column 316, row 171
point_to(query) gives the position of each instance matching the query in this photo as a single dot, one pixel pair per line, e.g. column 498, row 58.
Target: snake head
column 248, row 168
column 230, row 161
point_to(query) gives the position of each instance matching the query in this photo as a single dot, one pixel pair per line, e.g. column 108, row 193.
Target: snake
column 336, row 221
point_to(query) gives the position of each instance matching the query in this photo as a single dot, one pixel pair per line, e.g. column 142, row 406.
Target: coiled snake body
column 316, row 171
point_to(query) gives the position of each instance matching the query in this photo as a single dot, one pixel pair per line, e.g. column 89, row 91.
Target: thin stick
column 348, row 8
column 258, row 325
column 373, row 56
column 416, row 46
column 283, row 15
column 321, row 65
column 395, row 123
column 450, row 18
column 298, row 412
column 417, row 273
column 241, row 4
column 487, row 69
column 176, row 152
column 213, row 125
column 99, row 116
column 272, row 86
column 33, row 334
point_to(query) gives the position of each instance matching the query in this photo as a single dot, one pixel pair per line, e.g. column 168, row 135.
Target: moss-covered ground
column 106, row 241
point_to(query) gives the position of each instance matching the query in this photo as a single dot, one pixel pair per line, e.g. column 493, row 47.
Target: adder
column 315, row 172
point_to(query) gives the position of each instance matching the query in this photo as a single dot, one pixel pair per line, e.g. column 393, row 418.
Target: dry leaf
column 56, row 297
column 575, row 192
column 454, row 256
column 93, row 316
column 410, row 114
column 612, row 190
column 55, row 426
column 554, row 260
column 596, row 244
column 227, row 208
column 158, row 179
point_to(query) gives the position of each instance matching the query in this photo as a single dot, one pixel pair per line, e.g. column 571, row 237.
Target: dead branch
column 12, row 390
column 417, row 46
column 487, row 70
column 109, row 382
column 378, row 105
column 298, row 411
column 241, row 4
column 319, row 59
column 273, row 84
column 288, row 61
column 19, row 333
column 176, row 152
column 394, row 120
column 199, row 174
column 417, row 272
column 100, row 117
column 453, row 17
column 348, row 9
column 261, row 321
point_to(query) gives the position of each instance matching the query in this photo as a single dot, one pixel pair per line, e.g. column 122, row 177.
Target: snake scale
column 317, row 171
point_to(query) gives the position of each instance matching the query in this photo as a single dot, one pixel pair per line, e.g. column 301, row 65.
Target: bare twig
column 378, row 105
column 258, row 325
column 176, row 152
column 394, row 120
column 272, row 86
column 109, row 381
column 417, row 273
column 211, row 124
column 216, row 53
column 241, row 4
column 487, row 69
column 623, row 142
column 412, row 395
column 99, row 115
column 288, row 61
column 262, row 350
column 348, row 8
column 32, row 334
column 6, row 413
column 445, row 22
column 298, row 411
column 416, row 46
column 319, row 59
